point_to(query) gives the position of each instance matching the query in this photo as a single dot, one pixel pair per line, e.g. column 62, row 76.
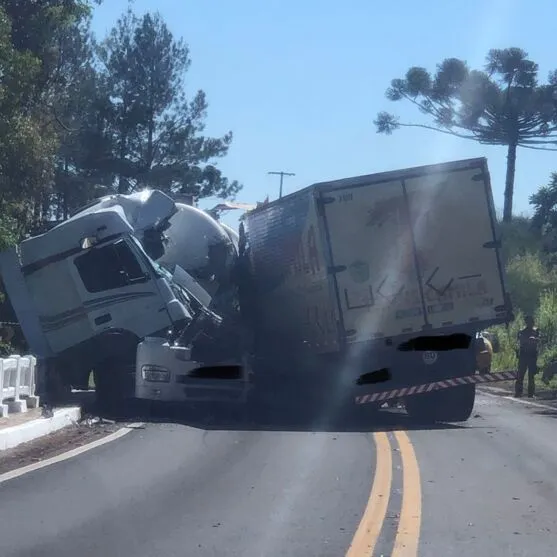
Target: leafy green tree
column 35, row 41
column 152, row 134
column 73, row 184
column 502, row 105
column 24, row 150
column 39, row 28
column 544, row 219
column 32, row 41
column 544, row 202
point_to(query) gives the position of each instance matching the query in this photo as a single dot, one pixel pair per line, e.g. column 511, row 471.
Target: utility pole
column 282, row 175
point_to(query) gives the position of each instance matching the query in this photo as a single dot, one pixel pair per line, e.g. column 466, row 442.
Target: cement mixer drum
column 201, row 246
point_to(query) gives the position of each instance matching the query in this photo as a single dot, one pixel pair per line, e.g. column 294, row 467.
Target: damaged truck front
column 89, row 290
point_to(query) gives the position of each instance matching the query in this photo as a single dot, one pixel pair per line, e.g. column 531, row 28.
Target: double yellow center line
column 408, row 531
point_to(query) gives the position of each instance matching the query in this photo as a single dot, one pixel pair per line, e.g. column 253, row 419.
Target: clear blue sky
column 300, row 82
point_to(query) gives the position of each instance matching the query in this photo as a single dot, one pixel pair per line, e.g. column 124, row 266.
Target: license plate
column 429, row 357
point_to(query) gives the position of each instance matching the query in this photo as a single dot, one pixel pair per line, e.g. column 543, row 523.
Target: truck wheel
column 456, row 404
column 422, row 407
column 114, row 382
column 58, row 389
column 364, row 413
column 450, row 405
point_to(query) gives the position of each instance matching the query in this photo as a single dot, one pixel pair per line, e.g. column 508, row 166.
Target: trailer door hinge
column 321, row 202
column 336, row 269
column 493, row 244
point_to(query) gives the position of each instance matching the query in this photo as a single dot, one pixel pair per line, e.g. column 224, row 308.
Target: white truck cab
column 89, row 291
column 86, row 291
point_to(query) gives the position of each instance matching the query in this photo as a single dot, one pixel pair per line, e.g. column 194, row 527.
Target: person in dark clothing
column 528, row 340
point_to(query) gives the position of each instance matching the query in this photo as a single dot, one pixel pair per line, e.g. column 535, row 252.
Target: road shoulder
column 31, row 425
column 508, row 395
column 38, row 439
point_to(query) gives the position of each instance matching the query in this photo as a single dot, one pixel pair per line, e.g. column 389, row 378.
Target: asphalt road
column 220, row 488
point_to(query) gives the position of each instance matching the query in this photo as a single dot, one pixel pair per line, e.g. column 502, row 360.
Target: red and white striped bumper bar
column 436, row 386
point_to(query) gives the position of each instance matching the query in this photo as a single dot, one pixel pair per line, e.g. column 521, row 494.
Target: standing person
column 528, row 340
column 484, row 353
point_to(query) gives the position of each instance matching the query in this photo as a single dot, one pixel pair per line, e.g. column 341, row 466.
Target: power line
column 282, row 175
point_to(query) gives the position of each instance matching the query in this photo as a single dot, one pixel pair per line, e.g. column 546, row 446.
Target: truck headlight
column 155, row 373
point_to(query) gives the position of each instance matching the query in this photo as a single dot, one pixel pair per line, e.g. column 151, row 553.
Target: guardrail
column 17, row 384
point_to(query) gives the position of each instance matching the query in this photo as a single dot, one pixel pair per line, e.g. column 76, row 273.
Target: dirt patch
column 20, row 418
column 505, row 385
column 54, row 444
column 547, row 397
column 543, row 391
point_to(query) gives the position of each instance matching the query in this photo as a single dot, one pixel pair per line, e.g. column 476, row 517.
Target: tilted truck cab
column 89, row 296
column 86, row 292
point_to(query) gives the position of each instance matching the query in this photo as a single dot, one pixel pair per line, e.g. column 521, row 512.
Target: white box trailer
column 389, row 275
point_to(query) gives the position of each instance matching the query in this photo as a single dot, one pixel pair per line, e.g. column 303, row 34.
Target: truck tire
column 363, row 413
column 449, row 405
column 114, row 382
column 58, row 390
column 421, row 408
column 456, row 404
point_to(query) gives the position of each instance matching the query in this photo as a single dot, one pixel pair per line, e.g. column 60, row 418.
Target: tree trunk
column 65, row 191
column 122, row 180
column 509, row 183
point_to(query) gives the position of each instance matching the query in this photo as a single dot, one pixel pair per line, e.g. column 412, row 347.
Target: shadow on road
column 275, row 415
column 550, row 412
column 321, row 420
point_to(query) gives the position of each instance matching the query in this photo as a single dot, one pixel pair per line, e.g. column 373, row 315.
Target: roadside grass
column 506, row 360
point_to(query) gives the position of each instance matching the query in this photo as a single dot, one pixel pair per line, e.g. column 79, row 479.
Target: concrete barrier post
column 32, row 399
column 3, row 407
column 17, row 404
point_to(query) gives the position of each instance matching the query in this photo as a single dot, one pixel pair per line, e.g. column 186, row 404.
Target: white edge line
column 519, row 400
column 12, row 474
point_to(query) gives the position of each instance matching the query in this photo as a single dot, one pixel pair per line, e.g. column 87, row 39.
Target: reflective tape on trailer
column 436, row 386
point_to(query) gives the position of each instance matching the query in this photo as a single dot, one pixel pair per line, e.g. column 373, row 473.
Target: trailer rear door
column 413, row 250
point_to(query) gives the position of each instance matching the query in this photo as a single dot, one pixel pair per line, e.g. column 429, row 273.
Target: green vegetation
column 532, row 284
column 84, row 116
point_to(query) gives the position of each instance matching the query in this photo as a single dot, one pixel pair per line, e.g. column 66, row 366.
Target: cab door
column 119, row 290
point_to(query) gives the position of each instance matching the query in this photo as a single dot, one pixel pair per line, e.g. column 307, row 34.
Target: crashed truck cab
column 87, row 292
column 206, row 362
column 169, row 371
